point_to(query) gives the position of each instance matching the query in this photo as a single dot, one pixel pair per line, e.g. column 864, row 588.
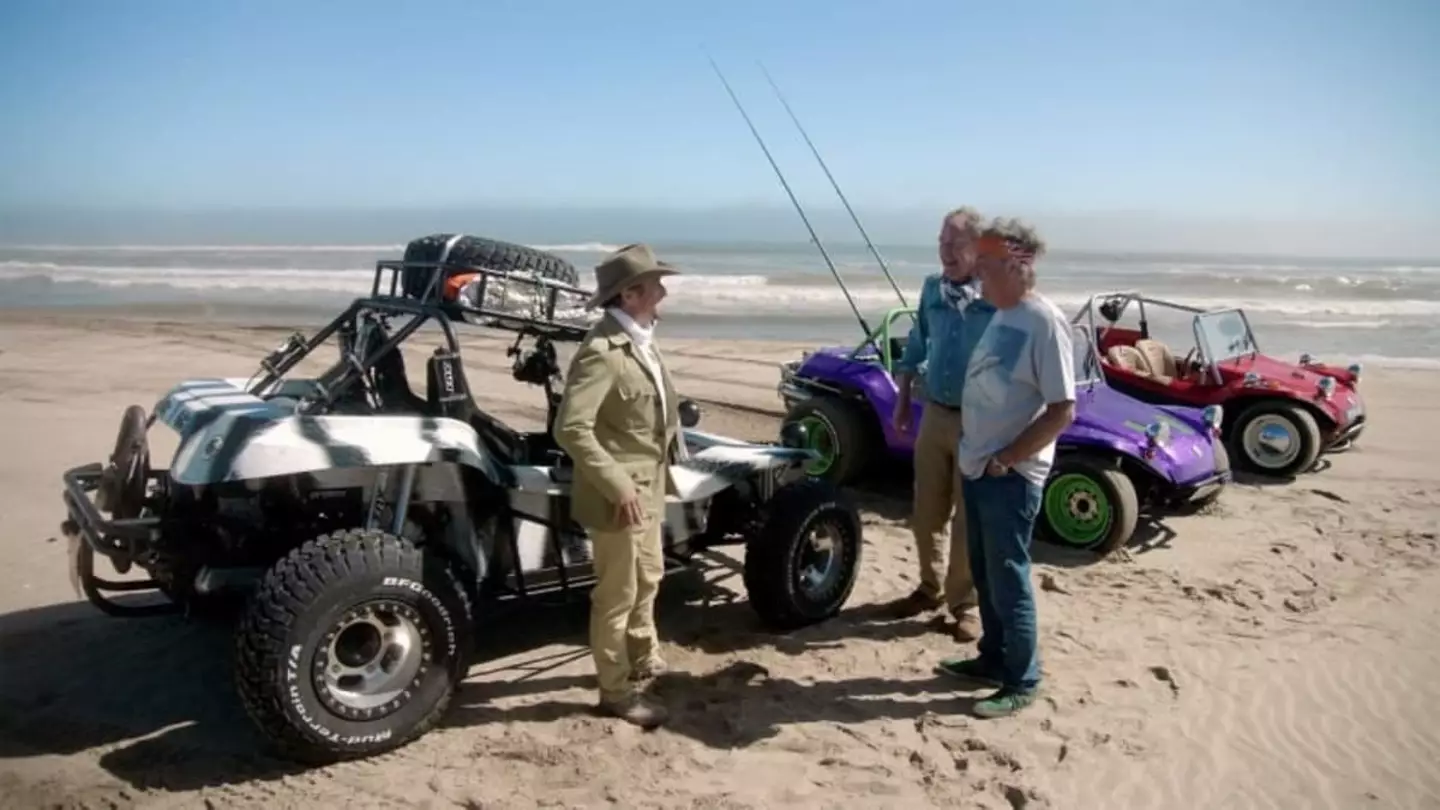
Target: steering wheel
column 1189, row 365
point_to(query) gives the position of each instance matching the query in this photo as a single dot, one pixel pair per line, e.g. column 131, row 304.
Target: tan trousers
column 938, row 500
column 629, row 565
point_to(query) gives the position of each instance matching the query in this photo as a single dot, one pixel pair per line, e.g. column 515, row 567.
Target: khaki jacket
column 609, row 423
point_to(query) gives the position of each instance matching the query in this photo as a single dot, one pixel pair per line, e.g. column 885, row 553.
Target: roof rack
column 521, row 302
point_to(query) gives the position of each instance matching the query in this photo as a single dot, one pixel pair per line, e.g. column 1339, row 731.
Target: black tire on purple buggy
column 841, row 433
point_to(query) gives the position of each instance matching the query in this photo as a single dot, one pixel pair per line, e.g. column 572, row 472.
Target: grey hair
column 966, row 218
column 1016, row 230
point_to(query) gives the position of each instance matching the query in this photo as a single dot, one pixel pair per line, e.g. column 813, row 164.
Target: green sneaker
column 969, row 669
column 1004, row 703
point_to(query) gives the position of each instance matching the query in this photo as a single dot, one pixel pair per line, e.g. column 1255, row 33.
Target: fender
column 1189, row 414
column 718, row 462
column 228, row 434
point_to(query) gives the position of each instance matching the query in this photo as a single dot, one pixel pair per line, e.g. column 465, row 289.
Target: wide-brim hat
column 624, row 267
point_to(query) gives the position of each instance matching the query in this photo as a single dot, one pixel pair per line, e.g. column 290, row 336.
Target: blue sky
column 1281, row 109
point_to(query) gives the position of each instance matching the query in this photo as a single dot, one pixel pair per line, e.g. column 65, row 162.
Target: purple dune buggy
column 1119, row 455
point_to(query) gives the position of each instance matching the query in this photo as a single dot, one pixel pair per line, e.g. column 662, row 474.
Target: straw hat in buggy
column 624, row 267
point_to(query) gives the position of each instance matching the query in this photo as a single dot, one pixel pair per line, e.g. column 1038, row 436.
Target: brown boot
column 912, row 605
column 967, row 626
column 635, row 709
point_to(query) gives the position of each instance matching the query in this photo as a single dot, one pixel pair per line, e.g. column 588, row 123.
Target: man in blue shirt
column 949, row 320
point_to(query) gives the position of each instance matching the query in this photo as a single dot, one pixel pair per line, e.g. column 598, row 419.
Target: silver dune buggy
column 364, row 528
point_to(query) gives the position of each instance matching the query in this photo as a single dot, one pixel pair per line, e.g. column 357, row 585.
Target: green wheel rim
column 1078, row 509
column 820, row 437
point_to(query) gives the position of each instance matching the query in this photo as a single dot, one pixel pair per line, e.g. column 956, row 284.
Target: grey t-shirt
column 1024, row 361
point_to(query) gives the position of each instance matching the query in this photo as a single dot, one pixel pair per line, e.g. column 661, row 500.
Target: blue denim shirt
column 945, row 337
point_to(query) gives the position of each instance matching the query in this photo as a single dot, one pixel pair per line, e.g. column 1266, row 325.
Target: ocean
column 1383, row 312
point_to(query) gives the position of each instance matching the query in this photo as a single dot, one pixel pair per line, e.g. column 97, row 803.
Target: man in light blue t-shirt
column 1019, row 396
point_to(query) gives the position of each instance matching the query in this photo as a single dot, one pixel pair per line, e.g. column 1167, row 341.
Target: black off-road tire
column 281, row 643
column 1299, row 421
column 491, row 254
column 775, row 557
column 853, row 431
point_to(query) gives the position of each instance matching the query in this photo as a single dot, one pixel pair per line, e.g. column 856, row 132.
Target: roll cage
column 369, row 355
column 1111, row 306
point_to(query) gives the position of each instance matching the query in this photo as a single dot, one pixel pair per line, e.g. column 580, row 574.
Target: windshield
column 1087, row 362
column 1224, row 334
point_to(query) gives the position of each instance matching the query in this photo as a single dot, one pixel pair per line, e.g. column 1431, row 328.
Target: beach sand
column 1280, row 650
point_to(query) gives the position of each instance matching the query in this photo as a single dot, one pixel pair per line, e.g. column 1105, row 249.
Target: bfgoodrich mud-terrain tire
column 1088, row 504
column 802, row 566
column 843, row 435
column 353, row 645
column 1275, row 438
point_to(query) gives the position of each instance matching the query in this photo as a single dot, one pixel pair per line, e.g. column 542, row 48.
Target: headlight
column 1251, row 378
column 1157, row 432
column 1327, row 386
column 1213, row 415
column 1354, row 370
column 1306, row 359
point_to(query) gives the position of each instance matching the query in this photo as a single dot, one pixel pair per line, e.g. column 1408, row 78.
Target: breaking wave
column 691, row 293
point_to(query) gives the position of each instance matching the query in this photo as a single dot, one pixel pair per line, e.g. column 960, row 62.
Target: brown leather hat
column 624, row 267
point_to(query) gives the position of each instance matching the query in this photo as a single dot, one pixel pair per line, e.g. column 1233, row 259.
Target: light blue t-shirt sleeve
column 1053, row 350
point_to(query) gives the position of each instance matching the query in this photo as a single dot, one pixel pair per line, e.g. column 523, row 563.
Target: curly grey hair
column 1016, row 230
column 1019, row 231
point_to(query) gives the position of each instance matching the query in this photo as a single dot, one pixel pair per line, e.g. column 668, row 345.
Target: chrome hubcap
column 1271, row 441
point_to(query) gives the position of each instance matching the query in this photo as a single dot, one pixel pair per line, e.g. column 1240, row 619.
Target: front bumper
column 1204, row 488
column 88, row 533
column 1347, row 436
column 121, row 540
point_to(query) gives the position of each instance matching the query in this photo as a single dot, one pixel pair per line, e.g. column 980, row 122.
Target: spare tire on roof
column 477, row 251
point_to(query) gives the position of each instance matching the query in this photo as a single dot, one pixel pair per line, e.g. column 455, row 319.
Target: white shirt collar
column 642, row 335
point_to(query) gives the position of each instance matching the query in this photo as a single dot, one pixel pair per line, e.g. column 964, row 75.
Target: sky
column 1305, row 113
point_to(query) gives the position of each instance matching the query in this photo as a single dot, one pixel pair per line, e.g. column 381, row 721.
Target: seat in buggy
column 447, row 393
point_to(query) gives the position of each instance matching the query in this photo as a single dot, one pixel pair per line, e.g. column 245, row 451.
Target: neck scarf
column 958, row 294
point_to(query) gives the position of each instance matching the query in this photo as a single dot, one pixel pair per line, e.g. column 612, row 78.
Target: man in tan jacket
column 620, row 424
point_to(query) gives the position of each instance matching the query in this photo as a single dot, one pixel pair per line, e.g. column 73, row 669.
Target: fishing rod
column 814, row 237
column 835, row 185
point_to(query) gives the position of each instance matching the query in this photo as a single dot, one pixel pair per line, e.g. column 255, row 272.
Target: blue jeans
column 1000, row 515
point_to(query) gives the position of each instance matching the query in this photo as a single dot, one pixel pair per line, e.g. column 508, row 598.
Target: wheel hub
column 818, row 560
column 371, row 659
column 820, row 438
column 1077, row 509
column 1083, row 506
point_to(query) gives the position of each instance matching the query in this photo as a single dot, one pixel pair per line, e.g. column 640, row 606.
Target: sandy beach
column 1278, row 650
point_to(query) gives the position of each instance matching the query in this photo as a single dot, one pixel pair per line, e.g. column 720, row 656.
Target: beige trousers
column 938, row 500
column 629, row 565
